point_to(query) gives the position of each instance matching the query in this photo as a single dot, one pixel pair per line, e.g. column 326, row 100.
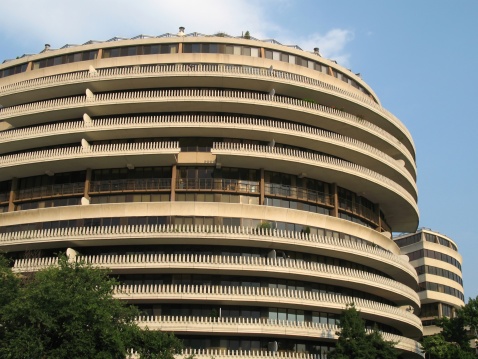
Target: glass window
column 57, row 60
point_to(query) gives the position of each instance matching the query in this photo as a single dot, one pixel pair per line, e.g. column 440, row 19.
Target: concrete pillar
column 262, row 187
column 174, row 172
column 377, row 212
column 13, row 192
column 86, row 192
column 335, row 197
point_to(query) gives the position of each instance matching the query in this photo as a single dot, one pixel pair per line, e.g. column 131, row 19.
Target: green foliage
column 264, row 225
column 355, row 343
column 9, row 283
column 309, row 100
column 68, row 311
column 469, row 313
column 150, row 345
column 436, row 347
column 454, row 340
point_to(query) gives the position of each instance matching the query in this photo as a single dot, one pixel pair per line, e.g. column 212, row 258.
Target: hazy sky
column 420, row 57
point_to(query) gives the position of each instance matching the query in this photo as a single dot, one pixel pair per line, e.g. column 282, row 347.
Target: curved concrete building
column 438, row 265
column 242, row 191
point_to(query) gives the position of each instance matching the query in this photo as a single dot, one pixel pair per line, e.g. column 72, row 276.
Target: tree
column 469, row 313
column 355, row 343
column 436, row 347
column 454, row 340
column 68, row 311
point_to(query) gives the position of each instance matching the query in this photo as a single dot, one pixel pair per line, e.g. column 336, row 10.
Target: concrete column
column 174, row 172
column 262, row 187
column 335, row 197
column 377, row 212
column 86, row 192
column 13, row 192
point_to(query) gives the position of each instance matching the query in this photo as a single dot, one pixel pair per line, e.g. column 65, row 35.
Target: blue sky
column 420, row 57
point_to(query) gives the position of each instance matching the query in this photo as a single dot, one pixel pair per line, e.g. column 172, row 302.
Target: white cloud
column 61, row 22
column 75, row 22
column 332, row 45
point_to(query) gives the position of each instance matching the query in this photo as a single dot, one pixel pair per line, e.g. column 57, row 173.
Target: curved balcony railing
column 92, row 151
column 303, row 156
column 130, row 185
column 217, row 184
column 267, row 295
column 186, row 94
column 208, row 69
column 218, row 147
column 299, row 193
column 245, row 264
column 54, row 190
column 316, row 197
column 264, row 354
column 204, row 121
column 358, row 209
column 199, row 231
column 259, row 326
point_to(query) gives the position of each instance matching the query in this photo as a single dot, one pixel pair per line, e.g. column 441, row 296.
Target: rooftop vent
column 316, row 51
column 47, row 47
column 181, row 31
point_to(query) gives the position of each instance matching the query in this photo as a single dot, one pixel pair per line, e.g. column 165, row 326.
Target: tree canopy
column 453, row 342
column 68, row 311
column 355, row 343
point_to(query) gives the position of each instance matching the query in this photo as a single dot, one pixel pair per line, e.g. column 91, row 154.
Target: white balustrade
column 308, row 329
column 91, row 151
column 210, row 69
column 182, row 94
column 315, row 158
column 236, row 122
column 306, row 298
column 168, row 230
column 296, row 268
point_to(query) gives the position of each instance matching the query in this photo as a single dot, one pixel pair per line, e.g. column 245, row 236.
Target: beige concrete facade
column 243, row 191
column 438, row 265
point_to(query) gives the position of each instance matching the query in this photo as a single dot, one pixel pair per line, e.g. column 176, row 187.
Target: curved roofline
column 329, row 62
